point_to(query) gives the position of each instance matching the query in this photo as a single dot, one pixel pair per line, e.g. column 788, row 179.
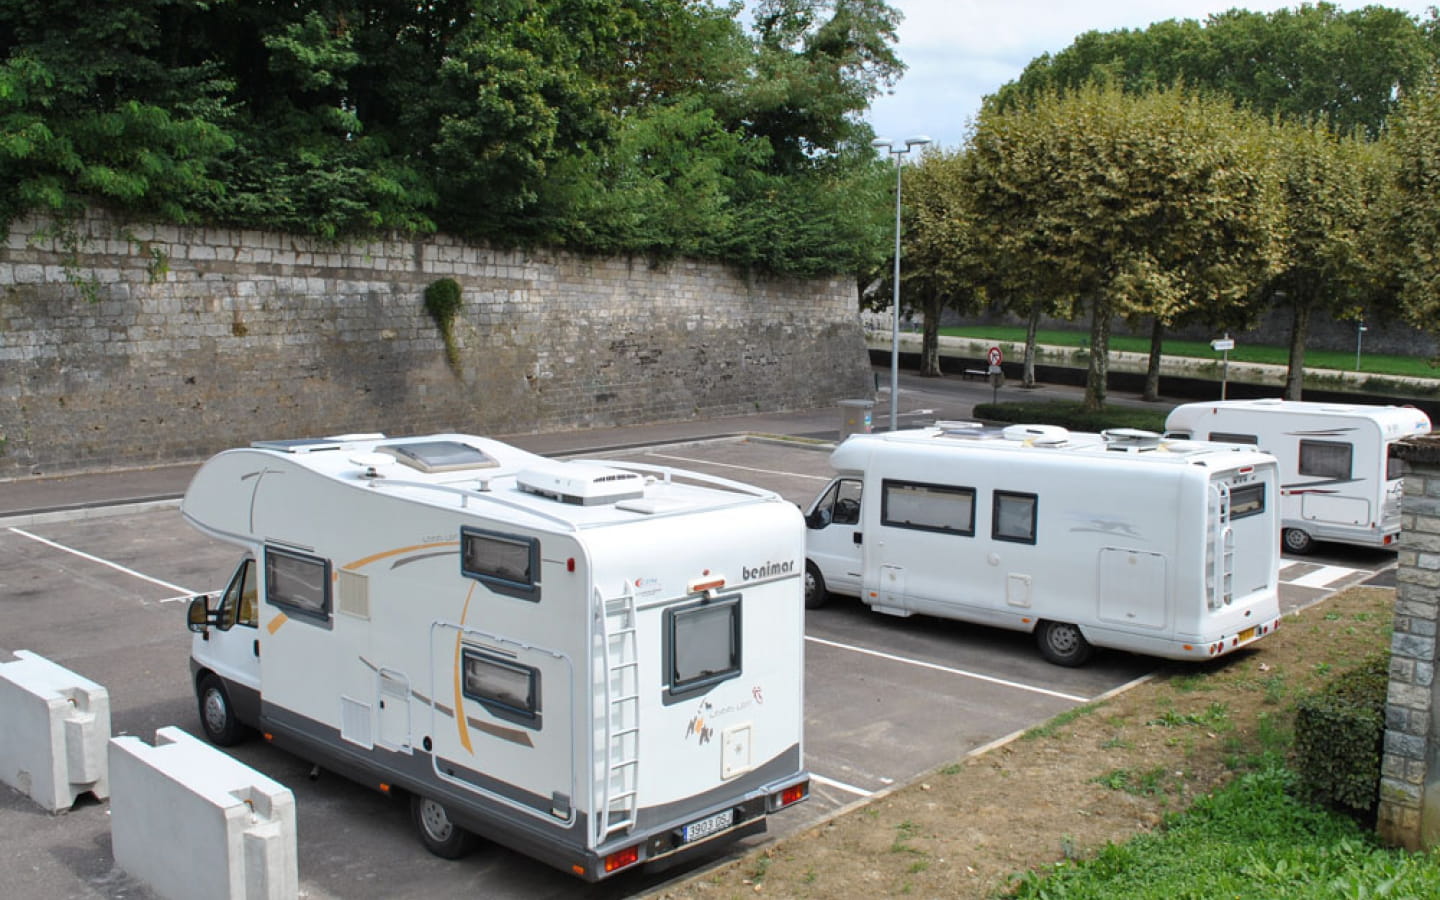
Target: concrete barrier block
column 53, row 729
column 193, row 822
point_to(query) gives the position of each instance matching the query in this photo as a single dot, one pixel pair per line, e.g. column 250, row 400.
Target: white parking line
column 1321, row 577
column 948, row 670
column 850, row 788
column 706, row 462
column 103, row 562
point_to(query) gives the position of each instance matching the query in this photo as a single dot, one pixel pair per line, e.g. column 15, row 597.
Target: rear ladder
column 618, row 790
column 1220, row 552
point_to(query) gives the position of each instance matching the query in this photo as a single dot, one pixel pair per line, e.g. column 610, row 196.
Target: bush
column 1072, row 415
column 443, row 302
column 1339, row 738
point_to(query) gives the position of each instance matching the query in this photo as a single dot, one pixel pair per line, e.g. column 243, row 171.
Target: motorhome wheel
column 217, row 717
column 814, row 586
column 1062, row 643
column 440, row 836
column 1296, row 540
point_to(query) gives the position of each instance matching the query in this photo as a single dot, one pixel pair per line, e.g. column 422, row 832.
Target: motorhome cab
column 1337, row 482
column 599, row 665
column 1168, row 548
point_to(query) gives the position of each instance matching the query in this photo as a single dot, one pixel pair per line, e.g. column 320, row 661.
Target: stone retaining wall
column 127, row 344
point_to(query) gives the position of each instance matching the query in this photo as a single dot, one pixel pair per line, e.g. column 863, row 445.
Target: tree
column 1329, row 187
column 1411, row 222
column 1154, row 204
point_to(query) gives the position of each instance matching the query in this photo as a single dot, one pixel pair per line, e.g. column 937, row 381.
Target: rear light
column 789, row 796
column 622, row 858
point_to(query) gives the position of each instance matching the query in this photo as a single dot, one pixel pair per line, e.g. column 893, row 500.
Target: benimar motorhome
column 599, row 665
column 1122, row 540
column 1337, row 482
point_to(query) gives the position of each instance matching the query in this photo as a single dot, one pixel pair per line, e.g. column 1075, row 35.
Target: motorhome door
column 835, row 538
column 232, row 649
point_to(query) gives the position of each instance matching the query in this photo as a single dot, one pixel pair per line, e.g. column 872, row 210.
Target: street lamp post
column 897, row 152
column 1360, row 330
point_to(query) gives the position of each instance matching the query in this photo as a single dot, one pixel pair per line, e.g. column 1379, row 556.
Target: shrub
column 443, row 302
column 1072, row 415
column 1339, row 737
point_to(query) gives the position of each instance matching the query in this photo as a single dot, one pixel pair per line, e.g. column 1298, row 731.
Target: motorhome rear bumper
column 1222, row 644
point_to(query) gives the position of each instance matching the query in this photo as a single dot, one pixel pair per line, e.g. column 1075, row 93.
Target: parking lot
column 886, row 699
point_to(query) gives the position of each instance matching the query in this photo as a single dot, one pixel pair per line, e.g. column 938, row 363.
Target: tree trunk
column 1299, row 331
column 1099, row 368
column 1031, row 327
column 1152, row 368
column 930, row 335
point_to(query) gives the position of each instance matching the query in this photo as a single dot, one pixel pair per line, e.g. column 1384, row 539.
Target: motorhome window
column 702, row 646
column 507, row 690
column 439, row 456
column 1247, row 500
column 507, row 564
column 1228, row 437
column 299, row 583
column 928, row 507
column 1325, row 459
column 1394, row 466
column 1014, row 517
column 238, row 605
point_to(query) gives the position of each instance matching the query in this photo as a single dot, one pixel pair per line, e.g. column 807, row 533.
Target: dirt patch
column 1100, row 773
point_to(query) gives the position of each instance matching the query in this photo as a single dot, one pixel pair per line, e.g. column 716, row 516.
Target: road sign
column 995, row 356
column 1223, row 344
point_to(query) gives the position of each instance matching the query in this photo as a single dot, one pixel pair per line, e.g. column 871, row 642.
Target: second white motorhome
column 1167, row 548
column 1337, row 482
column 598, row 664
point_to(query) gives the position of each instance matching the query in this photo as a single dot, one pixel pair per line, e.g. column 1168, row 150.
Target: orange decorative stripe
column 397, row 551
column 275, row 623
column 459, row 687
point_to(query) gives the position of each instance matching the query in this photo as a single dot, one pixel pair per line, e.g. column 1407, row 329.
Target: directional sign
column 1223, row 344
column 995, row 356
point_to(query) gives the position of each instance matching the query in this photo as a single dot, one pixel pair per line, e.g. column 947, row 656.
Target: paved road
column 886, row 699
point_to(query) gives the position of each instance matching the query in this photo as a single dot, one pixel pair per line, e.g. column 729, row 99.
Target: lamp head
column 881, row 142
column 916, row 141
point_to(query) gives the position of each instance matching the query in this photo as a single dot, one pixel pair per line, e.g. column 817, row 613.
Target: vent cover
column 581, row 484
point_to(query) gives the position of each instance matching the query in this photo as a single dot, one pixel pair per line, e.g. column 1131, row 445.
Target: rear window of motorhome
column 507, row 564
column 702, row 646
column 1014, row 517
column 508, row 690
column 928, row 507
column 299, row 583
column 1247, row 500
column 1325, row 459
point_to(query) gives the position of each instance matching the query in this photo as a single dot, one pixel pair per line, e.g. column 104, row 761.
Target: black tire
column 1297, row 541
column 815, row 593
column 1063, row 644
column 217, row 715
column 440, row 836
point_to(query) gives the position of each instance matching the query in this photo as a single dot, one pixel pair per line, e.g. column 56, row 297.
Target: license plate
column 708, row 826
column 1246, row 635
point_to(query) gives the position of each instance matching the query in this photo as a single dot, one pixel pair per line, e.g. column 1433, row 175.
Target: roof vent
column 1039, row 435
column 1130, row 439
column 439, row 456
column 581, row 484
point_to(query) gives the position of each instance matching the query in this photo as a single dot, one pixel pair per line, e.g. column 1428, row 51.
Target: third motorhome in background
column 1121, row 540
column 1337, row 482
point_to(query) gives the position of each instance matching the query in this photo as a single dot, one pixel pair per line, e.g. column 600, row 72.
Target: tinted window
column 507, row 689
column 702, row 646
column 1325, row 459
column 298, row 583
column 928, row 507
column 1247, row 500
column 1015, row 517
column 508, row 564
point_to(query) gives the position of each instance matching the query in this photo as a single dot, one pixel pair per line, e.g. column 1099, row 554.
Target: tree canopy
column 652, row 126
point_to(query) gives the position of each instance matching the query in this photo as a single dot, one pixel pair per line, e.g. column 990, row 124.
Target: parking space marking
column 706, row 462
column 947, row 669
column 849, row 788
column 104, row 562
column 1321, row 577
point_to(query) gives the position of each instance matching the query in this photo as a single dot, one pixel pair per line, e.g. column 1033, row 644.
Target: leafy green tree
column 1312, row 62
column 1411, row 222
column 1150, row 204
column 1329, row 186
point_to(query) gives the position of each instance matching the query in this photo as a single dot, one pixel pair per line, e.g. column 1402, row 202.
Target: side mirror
column 198, row 616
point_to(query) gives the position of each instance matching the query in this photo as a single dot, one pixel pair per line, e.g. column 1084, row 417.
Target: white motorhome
column 1337, row 482
column 596, row 664
column 1167, row 548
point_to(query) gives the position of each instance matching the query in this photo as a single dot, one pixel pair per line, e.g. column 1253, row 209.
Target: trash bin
column 855, row 417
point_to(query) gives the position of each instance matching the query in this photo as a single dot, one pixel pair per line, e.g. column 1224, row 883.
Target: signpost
column 1225, row 344
column 997, row 375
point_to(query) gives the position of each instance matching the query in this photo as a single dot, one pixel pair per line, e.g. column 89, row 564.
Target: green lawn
column 1251, row 840
column 1372, row 363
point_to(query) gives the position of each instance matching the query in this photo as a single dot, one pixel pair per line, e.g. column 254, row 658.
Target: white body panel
column 1335, row 478
column 1135, row 546
column 599, row 749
